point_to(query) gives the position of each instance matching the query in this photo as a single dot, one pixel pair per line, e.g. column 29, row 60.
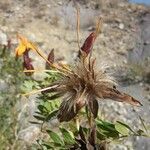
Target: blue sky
column 141, row 1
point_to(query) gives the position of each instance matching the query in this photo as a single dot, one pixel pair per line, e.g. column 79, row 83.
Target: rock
column 3, row 85
column 29, row 134
column 3, row 38
column 121, row 26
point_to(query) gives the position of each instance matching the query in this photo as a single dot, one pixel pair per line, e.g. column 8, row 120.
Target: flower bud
column 50, row 59
column 27, row 64
column 88, row 43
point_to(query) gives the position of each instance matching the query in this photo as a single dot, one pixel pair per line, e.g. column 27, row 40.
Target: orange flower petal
column 20, row 49
column 24, row 45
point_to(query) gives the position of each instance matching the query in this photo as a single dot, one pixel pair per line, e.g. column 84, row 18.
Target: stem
column 40, row 90
column 98, row 26
column 40, row 70
column 62, row 71
column 78, row 26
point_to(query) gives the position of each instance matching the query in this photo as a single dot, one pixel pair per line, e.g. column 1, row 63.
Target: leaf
column 82, row 134
column 54, row 97
column 122, row 128
column 51, row 115
column 92, row 136
column 29, row 85
column 50, row 106
column 105, row 125
column 126, row 126
column 55, row 137
column 100, row 135
column 39, row 117
column 106, row 129
column 68, row 136
column 34, row 122
column 42, row 108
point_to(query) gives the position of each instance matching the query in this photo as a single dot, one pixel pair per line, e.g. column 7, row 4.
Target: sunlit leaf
column 106, row 129
column 68, row 136
column 39, row 117
column 121, row 128
column 51, row 115
column 127, row 126
column 55, row 137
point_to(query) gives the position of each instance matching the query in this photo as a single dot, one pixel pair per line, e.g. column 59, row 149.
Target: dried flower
column 84, row 85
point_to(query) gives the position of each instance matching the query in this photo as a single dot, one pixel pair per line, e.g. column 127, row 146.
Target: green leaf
column 106, row 125
column 100, row 136
column 106, row 129
column 122, row 128
column 51, row 115
column 34, row 122
column 127, row 126
column 29, row 85
column 39, row 117
column 42, row 108
column 68, row 136
column 55, row 137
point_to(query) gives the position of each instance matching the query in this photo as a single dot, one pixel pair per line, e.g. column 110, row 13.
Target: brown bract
column 27, row 63
column 50, row 59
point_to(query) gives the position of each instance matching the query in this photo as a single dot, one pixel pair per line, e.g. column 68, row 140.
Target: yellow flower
column 24, row 46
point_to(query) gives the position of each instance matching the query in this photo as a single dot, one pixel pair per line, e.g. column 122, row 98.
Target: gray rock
column 29, row 134
column 3, row 38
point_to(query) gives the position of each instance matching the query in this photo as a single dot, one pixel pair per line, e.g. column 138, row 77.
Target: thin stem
column 98, row 26
column 40, row 70
column 52, row 65
column 40, row 90
column 78, row 26
column 61, row 70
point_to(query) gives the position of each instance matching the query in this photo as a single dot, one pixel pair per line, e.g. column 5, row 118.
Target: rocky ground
column 123, row 44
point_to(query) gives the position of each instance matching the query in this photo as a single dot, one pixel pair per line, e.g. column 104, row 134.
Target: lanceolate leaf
column 121, row 128
column 68, row 136
column 123, row 124
column 92, row 136
column 51, row 115
column 106, row 129
column 42, row 118
column 55, row 137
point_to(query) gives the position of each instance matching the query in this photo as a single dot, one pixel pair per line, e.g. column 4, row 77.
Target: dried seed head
column 84, row 85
